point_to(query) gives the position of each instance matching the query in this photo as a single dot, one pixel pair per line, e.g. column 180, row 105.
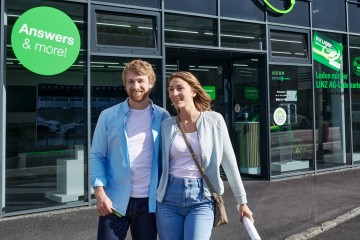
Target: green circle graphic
column 45, row 40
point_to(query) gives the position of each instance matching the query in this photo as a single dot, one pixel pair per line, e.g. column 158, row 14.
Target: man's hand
column 103, row 202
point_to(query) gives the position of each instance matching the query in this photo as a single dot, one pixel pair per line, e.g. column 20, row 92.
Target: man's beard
column 138, row 97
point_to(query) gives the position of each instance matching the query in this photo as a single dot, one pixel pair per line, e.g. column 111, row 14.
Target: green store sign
column 278, row 75
column 45, row 40
column 274, row 9
column 327, row 51
column 211, row 91
column 356, row 66
column 251, row 93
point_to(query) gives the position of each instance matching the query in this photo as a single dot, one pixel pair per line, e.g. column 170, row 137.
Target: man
column 124, row 159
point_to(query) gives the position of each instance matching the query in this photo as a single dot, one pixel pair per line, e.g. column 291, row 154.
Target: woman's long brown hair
column 202, row 100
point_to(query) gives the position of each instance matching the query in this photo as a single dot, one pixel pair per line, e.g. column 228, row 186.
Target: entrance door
column 213, row 76
column 233, row 82
column 246, row 108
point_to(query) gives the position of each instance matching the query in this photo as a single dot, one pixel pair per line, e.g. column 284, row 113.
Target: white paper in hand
column 251, row 229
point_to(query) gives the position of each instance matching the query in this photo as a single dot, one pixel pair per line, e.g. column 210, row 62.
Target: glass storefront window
column 291, row 133
column 249, row 10
column 125, row 30
column 301, row 8
column 141, row 3
column 45, row 126
column 242, row 35
column 288, row 46
column 331, row 100
column 190, row 30
column 107, row 88
column 200, row 6
column 355, row 95
column 246, row 76
column 354, row 12
column 329, row 14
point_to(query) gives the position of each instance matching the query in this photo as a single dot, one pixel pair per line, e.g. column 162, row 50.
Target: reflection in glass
column 331, row 108
column 242, row 35
column 45, row 165
column 208, row 7
column 190, row 30
column 290, row 119
column 125, row 30
column 142, row 3
column 246, row 115
column 329, row 14
column 355, row 95
column 288, row 45
column 107, row 88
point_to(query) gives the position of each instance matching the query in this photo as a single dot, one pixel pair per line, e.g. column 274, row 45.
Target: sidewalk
column 285, row 209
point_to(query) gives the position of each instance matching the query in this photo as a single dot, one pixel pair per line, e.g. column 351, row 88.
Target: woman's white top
column 182, row 164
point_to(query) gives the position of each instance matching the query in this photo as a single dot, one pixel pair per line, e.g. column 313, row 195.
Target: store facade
column 284, row 74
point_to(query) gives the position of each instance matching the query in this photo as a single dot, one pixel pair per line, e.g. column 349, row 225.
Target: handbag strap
column 195, row 158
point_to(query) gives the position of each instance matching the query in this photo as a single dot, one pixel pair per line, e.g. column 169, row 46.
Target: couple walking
column 142, row 170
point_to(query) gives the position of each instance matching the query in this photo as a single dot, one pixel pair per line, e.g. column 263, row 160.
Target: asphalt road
column 349, row 230
column 281, row 209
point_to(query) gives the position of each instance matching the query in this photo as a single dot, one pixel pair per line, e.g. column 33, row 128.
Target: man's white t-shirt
column 141, row 150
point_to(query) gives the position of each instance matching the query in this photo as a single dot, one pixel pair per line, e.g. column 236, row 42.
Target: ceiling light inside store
column 13, row 15
column 208, row 67
column 108, row 63
column 199, row 69
column 287, row 53
column 119, row 67
column 237, row 36
column 182, row 31
column 231, row 35
column 283, row 40
column 113, row 24
column 150, row 28
column 251, row 69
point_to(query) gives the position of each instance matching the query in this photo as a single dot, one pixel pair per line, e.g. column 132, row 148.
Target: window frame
column 289, row 59
column 96, row 48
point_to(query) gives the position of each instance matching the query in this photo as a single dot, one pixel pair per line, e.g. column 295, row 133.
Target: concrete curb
column 314, row 231
column 48, row 213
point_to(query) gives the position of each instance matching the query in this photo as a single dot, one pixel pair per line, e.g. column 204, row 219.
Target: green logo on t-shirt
column 45, row 40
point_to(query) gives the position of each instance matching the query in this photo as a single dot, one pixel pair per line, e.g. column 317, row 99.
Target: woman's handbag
column 220, row 212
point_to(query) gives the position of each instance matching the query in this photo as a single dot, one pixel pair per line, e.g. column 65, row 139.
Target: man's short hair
column 140, row 67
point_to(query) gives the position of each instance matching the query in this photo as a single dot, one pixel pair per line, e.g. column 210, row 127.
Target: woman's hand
column 103, row 202
column 244, row 210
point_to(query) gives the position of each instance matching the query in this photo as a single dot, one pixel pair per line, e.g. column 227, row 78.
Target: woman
column 185, row 209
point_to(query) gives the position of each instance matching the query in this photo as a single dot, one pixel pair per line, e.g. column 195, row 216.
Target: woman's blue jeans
column 185, row 213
